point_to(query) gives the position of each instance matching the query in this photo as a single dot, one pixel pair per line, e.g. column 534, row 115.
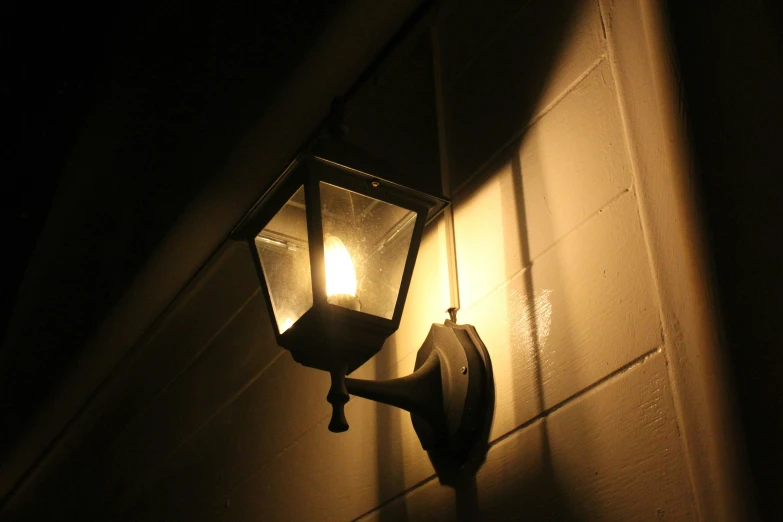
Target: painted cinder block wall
column 555, row 269
column 576, row 262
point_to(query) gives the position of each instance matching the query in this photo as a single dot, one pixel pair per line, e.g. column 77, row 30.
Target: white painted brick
column 344, row 475
column 570, row 164
column 590, row 300
column 612, row 454
column 535, row 59
column 241, row 351
column 201, row 310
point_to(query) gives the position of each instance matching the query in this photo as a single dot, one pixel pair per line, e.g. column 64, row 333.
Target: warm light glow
column 287, row 323
column 340, row 274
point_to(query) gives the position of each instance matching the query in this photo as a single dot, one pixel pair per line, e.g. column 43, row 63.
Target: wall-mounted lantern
column 335, row 243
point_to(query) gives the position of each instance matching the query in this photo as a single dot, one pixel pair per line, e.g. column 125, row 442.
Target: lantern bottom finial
column 337, row 397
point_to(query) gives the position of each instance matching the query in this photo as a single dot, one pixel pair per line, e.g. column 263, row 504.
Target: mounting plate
column 467, row 394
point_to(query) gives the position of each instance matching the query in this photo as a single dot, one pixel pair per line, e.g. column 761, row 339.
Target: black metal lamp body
column 335, row 246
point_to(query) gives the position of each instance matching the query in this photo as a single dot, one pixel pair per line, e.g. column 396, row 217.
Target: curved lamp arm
column 420, row 393
column 449, row 394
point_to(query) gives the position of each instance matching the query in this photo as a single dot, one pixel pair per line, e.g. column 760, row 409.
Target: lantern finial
column 337, row 397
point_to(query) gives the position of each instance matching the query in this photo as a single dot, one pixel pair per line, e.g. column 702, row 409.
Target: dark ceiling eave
column 346, row 48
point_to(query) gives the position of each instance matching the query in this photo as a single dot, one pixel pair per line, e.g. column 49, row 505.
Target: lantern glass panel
column 285, row 259
column 366, row 244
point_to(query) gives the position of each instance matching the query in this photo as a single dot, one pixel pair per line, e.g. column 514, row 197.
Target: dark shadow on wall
column 143, row 104
column 730, row 60
column 389, row 458
column 546, row 489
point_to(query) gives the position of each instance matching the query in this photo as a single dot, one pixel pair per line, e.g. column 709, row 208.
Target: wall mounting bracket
column 449, row 394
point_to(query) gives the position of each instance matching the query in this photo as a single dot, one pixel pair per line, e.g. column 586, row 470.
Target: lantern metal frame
column 347, row 338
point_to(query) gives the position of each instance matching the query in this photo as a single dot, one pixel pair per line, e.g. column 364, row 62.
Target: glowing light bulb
column 340, row 274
